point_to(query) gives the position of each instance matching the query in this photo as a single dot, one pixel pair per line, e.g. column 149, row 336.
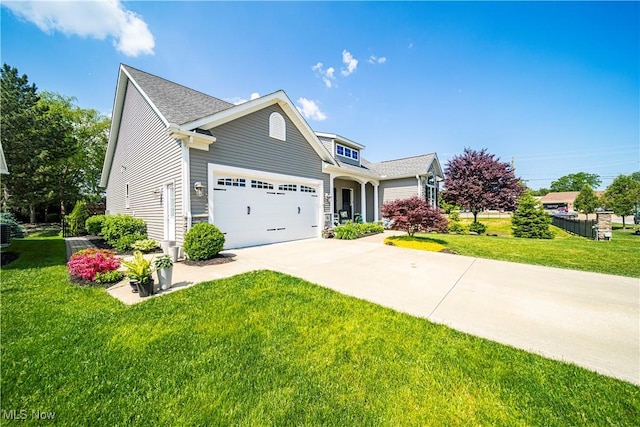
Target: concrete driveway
column 590, row 319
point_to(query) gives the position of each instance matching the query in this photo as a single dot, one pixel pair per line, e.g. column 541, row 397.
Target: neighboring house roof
column 563, row 197
column 178, row 104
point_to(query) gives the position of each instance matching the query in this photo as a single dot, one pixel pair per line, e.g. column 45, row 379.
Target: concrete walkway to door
column 588, row 319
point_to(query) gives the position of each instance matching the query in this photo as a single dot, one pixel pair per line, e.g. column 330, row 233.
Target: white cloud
column 350, row 62
column 310, row 110
column 375, row 60
column 328, row 75
column 97, row 19
column 236, row 100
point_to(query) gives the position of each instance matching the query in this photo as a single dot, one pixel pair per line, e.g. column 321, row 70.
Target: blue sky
column 553, row 86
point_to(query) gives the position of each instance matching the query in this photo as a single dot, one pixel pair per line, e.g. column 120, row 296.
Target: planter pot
column 146, row 289
column 166, row 244
column 174, row 251
column 134, row 286
column 164, row 278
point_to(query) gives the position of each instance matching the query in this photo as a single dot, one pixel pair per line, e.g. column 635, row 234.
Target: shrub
column 351, row 230
column 454, row 216
column 346, row 231
column 126, row 242
column 16, row 230
column 370, row 228
column 77, row 218
column 94, row 224
column 477, row 227
column 86, row 263
column 145, row 245
column 203, row 241
column 414, row 215
column 530, row 220
column 113, row 276
column 456, row 227
column 116, row 227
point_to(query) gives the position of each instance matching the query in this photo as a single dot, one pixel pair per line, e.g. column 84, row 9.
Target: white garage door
column 254, row 209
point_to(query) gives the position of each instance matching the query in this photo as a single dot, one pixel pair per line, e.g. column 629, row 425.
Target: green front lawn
column 618, row 256
column 264, row 348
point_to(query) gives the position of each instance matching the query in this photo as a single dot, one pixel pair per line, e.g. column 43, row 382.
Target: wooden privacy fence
column 581, row 227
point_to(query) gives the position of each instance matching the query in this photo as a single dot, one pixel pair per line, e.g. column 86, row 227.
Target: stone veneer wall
column 603, row 222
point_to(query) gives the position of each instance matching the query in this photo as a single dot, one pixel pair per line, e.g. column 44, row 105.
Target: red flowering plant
column 85, row 264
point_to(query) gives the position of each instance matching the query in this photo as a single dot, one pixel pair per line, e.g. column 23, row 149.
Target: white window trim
column 352, row 150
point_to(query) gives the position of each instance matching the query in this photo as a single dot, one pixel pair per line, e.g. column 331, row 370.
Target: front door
column 346, row 201
column 169, row 212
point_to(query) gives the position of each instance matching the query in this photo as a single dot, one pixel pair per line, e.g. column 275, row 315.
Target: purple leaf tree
column 476, row 180
column 414, row 215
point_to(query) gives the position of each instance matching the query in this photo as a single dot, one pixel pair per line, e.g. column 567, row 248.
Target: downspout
column 186, row 180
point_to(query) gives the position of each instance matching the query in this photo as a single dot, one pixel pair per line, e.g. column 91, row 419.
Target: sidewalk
column 75, row 244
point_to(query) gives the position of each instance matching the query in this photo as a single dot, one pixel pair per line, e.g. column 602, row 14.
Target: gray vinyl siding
column 245, row 143
column 348, row 160
column 146, row 158
column 395, row 189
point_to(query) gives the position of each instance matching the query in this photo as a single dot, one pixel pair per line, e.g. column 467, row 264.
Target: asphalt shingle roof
column 410, row 166
column 177, row 103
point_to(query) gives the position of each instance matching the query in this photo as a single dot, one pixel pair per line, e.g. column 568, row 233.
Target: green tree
column 586, row 201
column 81, row 143
column 529, row 219
column 55, row 148
column 576, row 181
column 540, row 192
column 23, row 131
column 477, row 180
column 623, row 196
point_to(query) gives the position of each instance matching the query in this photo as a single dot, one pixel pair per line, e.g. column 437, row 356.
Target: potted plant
column 139, row 270
column 164, row 267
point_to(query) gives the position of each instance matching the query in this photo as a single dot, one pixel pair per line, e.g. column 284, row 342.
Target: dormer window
column 350, row 153
column 277, row 127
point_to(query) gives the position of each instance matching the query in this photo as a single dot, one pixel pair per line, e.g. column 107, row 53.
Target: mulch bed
column 218, row 259
column 84, row 282
column 7, row 257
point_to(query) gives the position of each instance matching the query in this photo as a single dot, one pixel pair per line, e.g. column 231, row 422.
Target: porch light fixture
column 199, row 188
column 157, row 192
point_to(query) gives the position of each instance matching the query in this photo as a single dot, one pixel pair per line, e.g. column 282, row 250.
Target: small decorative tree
column 530, row 220
column 476, row 180
column 414, row 215
column 587, row 201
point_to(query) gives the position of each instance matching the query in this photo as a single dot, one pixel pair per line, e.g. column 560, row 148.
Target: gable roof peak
column 175, row 102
